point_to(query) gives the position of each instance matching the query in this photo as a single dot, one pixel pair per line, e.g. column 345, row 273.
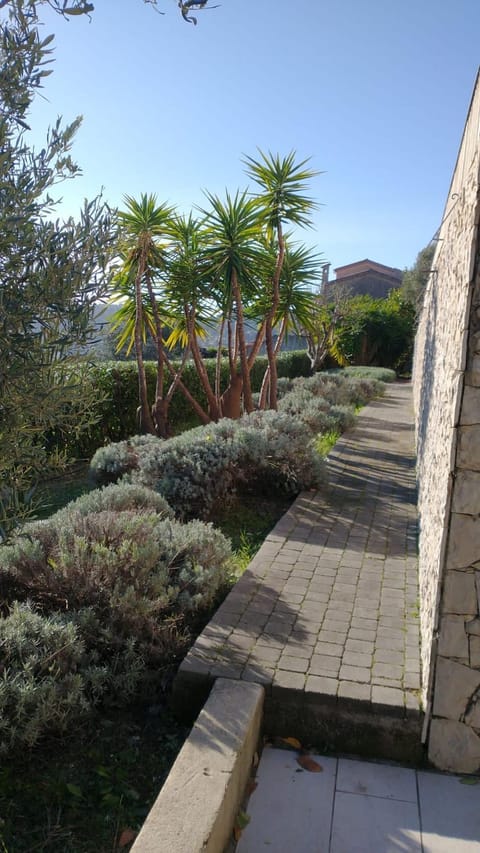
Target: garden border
column 196, row 809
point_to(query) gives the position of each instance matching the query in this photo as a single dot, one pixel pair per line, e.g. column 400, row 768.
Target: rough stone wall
column 447, row 404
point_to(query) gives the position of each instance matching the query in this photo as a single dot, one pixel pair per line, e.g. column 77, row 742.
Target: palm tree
column 233, row 253
column 282, row 199
column 189, row 292
column 297, row 300
column 144, row 227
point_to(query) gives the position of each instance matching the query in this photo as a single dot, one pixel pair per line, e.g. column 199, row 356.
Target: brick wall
column 447, row 403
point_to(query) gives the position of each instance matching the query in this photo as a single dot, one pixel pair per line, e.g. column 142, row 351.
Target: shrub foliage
column 101, row 594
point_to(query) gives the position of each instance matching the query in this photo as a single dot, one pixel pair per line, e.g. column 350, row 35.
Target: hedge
column 117, row 386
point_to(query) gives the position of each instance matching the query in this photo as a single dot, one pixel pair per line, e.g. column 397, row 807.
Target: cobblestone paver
column 329, row 605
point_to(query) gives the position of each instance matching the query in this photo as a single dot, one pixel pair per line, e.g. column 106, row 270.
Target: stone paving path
column 327, row 612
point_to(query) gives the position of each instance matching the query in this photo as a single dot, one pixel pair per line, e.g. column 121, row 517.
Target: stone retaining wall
column 447, row 404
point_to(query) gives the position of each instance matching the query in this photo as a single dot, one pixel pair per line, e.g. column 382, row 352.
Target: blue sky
column 374, row 91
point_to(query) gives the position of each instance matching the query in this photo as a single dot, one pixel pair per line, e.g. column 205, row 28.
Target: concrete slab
column 196, row 808
column 359, row 807
column 450, row 813
column 377, row 780
column 291, row 809
column 363, row 824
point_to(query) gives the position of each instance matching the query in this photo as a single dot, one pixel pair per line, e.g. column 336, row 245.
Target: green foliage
column 80, row 797
column 375, row 331
column 283, row 185
column 415, row 279
column 118, row 498
column 101, row 595
column 265, row 451
column 381, row 374
column 324, row 443
column 116, row 386
column 51, row 274
column 117, row 459
column 41, row 688
column 199, row 469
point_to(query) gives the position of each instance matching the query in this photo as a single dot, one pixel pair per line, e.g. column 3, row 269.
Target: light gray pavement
column 326, row 615
column 358, row 807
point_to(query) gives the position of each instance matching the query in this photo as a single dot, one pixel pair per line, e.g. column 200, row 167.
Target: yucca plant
column 282, row 199
column 144, row 228
column 234, row 252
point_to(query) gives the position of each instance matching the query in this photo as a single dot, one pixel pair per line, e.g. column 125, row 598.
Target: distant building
column 364, row 277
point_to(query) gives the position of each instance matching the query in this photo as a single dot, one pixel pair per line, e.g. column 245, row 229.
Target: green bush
column 116, row 384
column 118, row 498
column 382, row 374
column 265, row 450
column 52, row 676
column 100, row 596
column 376, row 331
column 201, row 467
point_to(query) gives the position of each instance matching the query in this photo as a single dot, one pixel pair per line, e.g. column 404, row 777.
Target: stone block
column 291, row 664
column 454, row 747
column 321, row 687
column 470, row 413
column 464, row 541
column 453, row 639
column 390, row 699
column 472, row 376
column 460, row 594
column 468, row 447
column 352, row 692
column 466, row 492
column 472, row 717
column 473, row 627
column 454, row 686
column 474, row 643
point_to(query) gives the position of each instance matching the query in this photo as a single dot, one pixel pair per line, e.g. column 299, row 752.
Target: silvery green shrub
column 51, row 678
column 343, row 417
column 118, row 497
column 110, row 462
column 101, row 595
column 196, row 470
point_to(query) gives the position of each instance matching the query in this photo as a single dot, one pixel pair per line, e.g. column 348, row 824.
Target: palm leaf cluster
column 180, row 277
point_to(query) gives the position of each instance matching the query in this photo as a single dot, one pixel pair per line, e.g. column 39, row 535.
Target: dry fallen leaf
column 126, row 837
column 251, row 786
column 292, row 741
column 309, row 763
column 287, row 743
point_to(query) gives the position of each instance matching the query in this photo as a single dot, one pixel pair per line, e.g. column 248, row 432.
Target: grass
column 246, row 521
column 54, row 494
column 81, row 795
column 325, row 441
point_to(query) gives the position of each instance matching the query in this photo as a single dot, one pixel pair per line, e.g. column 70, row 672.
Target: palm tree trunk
column 159, row 409
column 260, row 337
column 272, row 361
column 247, row 389
column 204, row 417
column 266, row 378
column 144, row 415
column 213, row 408
column 218, row 366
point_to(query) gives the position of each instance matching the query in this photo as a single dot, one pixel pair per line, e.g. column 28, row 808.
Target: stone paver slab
column 331, row 595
